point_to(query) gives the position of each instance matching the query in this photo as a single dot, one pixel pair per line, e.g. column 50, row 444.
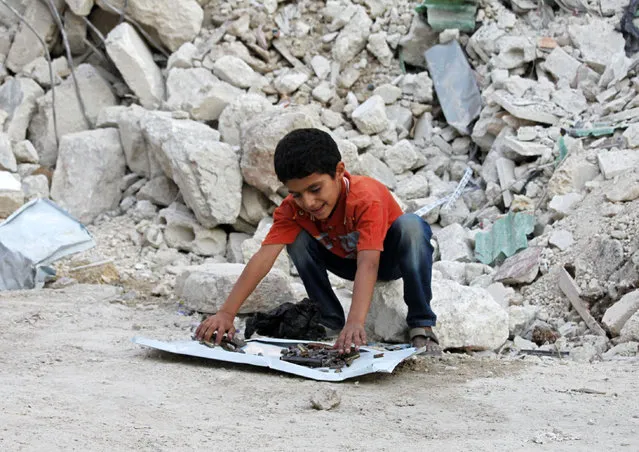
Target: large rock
column 175, row 23
column 370, row 117
column 618, row 314
column 259, row 139
column 251, row 246
column 199, row 92
column 96, row 94
column 136, row 149
column 95, row 153
column 135, row 62
column 239, row 112
column 353, row 37
column 26, row 46
column 160, row 190
column 627, row 189
column 204, row 288
column 18, row 98
column 183, row 232
column 467, row 317
column 206, row 170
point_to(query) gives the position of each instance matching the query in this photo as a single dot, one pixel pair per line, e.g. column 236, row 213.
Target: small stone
column 348, row 77
column 561, row 239
column 378, row 46
column 450, row 34
column 454, row 244
column 418, row 86
column 390, row 93
column 25, row 152
column 522, row 268
column 370, row 117
column 323, row 92
column 332, row 119
column 325, row 399
column 290, row 81
column 321, row 66
column 235, row 71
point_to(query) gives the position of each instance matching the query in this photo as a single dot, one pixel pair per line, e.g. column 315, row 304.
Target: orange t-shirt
column 364, row 212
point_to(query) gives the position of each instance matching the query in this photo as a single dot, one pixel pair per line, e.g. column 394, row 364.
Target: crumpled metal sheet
column 455, row 84
column 33, row 237
column 266, row 352
column 508, row 235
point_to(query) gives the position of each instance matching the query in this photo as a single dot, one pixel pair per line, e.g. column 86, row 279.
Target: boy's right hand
column 221, row 323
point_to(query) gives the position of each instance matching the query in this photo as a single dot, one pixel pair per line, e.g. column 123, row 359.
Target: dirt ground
column 70, row 379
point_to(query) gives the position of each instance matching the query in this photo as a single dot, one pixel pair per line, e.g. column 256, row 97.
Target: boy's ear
column 339, row 170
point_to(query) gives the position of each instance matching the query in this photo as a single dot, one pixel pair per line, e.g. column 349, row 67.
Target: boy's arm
column 256, row 269
column 365, row 279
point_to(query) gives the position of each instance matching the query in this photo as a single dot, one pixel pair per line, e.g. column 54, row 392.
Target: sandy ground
column 70, row 379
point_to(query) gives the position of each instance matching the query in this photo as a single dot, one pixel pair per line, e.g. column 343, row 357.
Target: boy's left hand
column 352, row 334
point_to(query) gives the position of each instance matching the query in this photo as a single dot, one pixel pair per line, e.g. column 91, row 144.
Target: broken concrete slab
column 562, row 66
column 95, row 152
column 259, row 139
column 206, row 171
column 174, row 24
column 468, row 317
column 614, row 163
column 508, row 235
column 18, row 98
column 419, row 39
column 198, row 92
column 522, row 268
column 26, row 47
column 618, row 314
column 353, row 37
column 238, row 113
column 135, row 62
column 204, row 288
column 521, row 150
column 524, row 109
column 96, row 94
column 626, row 189
column 598, row 42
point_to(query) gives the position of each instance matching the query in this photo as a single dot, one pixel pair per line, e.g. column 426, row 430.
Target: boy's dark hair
column 303, row 152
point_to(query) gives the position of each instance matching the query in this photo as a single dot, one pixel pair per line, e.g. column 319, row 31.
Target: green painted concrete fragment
column 448, row 14
column 507, row 236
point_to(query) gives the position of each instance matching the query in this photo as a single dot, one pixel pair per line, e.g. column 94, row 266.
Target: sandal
column 425, row 341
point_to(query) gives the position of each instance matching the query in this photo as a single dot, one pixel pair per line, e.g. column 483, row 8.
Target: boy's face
column 318, row 193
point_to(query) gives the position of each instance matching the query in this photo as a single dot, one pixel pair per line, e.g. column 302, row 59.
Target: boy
column 349, row 225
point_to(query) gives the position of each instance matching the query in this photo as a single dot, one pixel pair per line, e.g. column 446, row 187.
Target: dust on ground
column 70, row 379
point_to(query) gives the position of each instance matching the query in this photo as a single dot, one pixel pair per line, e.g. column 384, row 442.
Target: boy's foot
column 425, row 341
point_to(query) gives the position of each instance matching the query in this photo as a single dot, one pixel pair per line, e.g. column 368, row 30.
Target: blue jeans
column 407, row 254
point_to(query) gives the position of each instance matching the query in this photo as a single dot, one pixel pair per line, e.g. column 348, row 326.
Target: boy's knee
column 412, row 227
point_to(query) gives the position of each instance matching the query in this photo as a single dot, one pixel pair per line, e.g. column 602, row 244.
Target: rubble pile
column 512, row 127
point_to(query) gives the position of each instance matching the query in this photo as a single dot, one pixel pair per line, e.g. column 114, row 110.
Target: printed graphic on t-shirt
column 325, row 240
column 349, row 243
